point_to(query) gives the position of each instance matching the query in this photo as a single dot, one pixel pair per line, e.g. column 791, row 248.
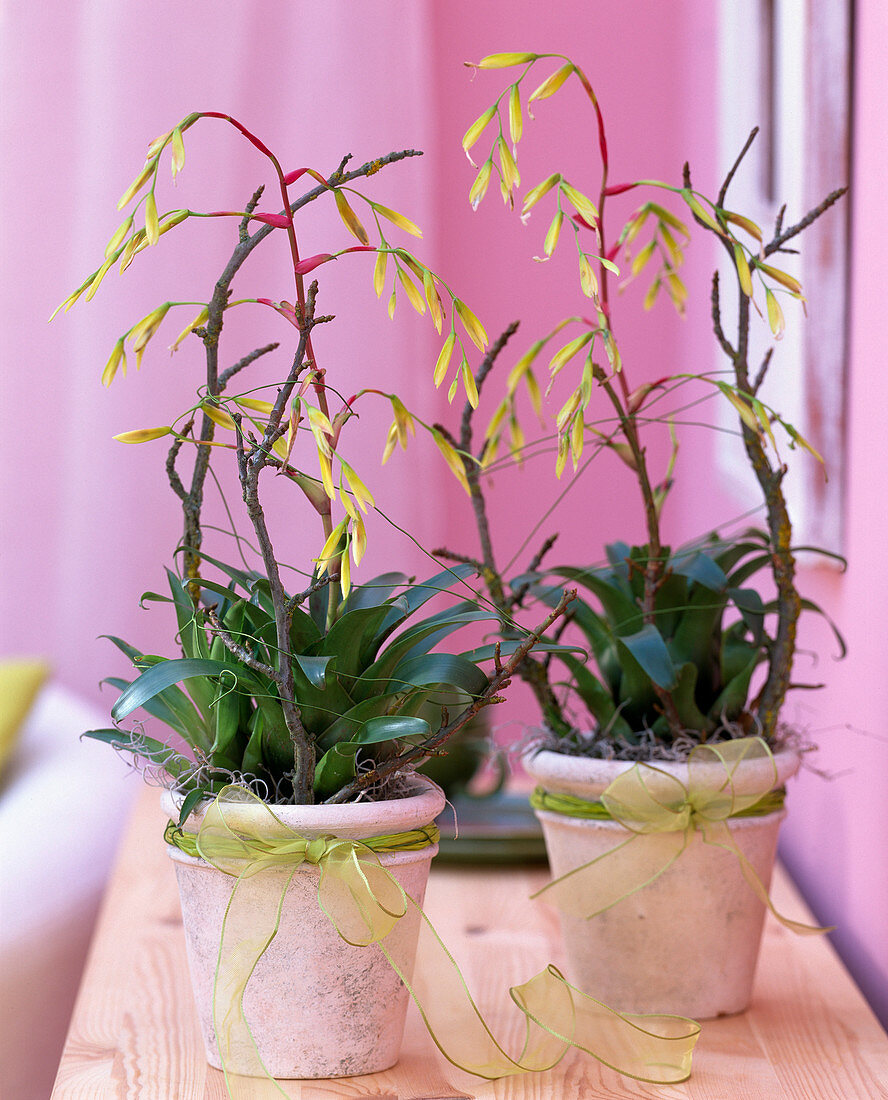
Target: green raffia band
column 314, row 850
column 661, row 814
column 571, row 806
column 364, row 901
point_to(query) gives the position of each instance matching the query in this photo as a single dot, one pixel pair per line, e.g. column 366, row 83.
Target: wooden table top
column 809, row 1034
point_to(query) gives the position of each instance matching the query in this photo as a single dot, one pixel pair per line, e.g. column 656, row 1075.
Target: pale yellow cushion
column 20, row 681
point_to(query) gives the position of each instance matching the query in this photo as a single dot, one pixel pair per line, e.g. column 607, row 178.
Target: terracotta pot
column 687, row 943
column 316, row 1006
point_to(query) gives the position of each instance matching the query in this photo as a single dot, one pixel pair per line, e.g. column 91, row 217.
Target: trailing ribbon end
column 558, row 1016
column 649, row 1048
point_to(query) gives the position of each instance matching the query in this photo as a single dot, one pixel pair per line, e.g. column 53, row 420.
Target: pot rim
column 351, row 820
column 587, row 776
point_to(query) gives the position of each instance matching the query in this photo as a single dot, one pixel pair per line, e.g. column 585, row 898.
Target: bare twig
column 762, row 371
column 243, row 230
column 294, row 601
column 235, row 647
column 532, row 671
column 226, row 375
column 722, row 195
column 776, row 244
column 192, row 502
column 173, row 453
column 250, row 467
column 464, row 559
column 533, row 565
column 716, row 319
column 770, row 477
column 537, row 560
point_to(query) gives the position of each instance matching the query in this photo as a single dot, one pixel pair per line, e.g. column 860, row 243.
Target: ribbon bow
column 662, row 814
column 364, row 901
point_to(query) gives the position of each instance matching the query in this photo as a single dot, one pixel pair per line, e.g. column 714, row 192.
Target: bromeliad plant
column 314, row 695
column 677, row 635
column 362, row 683
column 711, row 631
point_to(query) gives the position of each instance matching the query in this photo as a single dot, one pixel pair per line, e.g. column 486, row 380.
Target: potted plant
column 661, row 773
column 300, row 713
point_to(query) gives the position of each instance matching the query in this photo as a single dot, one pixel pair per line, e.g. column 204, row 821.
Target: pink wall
column 77, row 548
column 88, row 524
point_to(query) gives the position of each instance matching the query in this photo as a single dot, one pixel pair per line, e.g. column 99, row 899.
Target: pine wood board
column 133, row 1034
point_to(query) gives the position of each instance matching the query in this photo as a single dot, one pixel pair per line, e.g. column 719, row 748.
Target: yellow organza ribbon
column 364, row 901
column 662, row 814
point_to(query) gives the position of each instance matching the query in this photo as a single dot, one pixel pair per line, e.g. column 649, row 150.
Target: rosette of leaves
column 691, row 668
column 366, row 684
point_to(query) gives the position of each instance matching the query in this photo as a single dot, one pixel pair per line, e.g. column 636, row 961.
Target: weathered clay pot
column 687, row 943
column 316, row 1006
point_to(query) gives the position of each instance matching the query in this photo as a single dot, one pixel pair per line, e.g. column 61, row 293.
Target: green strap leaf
column 252, row 758
column 698, row 626
column 414, row 642
column 227, row 711
column 418, row 594
column 684, row 698
column 344, row 727
column 701, row 569
column 810, row 605
column 750, row 605
column 737, row 651
column 315, row 668
column 650, row 651
column 335, row 769
column 159, row 677
column 174, row 763
column 354, row 639
column 446, row 669
column 174, row 709
column 374, row 592
column 392, row 727
column 617, row 602
column 589, row 621
column 508, row 647
column 153, row 597
column 189, row 802
column 338, row 765
column 617, row 554
column 184, row 611
column 135, row 655
column 732, row 700
column 597, row 699
column 240, row 576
